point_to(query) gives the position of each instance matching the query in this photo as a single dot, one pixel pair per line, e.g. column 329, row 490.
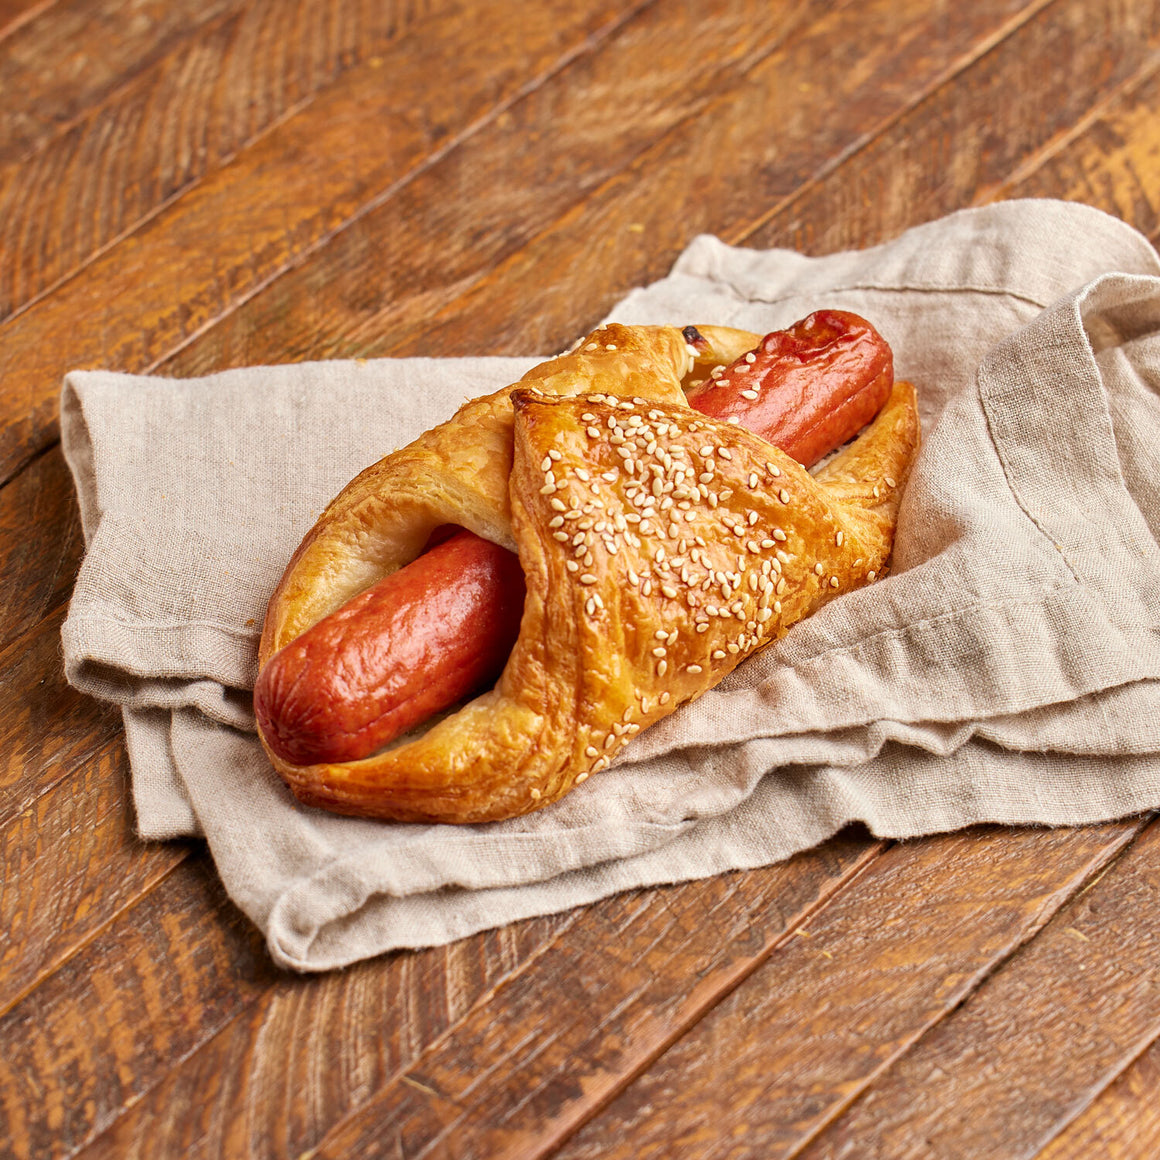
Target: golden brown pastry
column 660, row 548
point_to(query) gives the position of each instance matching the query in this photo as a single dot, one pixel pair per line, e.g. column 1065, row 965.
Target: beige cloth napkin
column 1006, row 671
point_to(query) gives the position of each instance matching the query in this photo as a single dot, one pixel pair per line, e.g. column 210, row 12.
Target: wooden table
column 187, row 185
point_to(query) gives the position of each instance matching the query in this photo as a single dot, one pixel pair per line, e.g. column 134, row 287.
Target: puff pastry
column 660, row 548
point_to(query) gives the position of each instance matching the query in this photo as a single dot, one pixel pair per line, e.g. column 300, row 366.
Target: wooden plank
column 15, row 14
column 48, row 730
column 1121, row 1123
column 1031, row 1047
column 269, row 208
column 779, row 1054
column 1111, row 160
column 60, row 63
column 663, row 951
column 69, row 863
column 756, row 140
column 37, row 570
column 959, row 145
column 629, row 232
column 101, row 1029
column 205, row 81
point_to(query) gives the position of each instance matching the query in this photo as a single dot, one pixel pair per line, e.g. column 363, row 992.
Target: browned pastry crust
column 660, row 548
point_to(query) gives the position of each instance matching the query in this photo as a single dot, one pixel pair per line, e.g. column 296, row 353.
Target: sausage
column 441, row 628
column 417, row 641
column 816, row 384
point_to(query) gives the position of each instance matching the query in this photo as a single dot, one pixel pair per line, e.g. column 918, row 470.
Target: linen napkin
column 1006, row 671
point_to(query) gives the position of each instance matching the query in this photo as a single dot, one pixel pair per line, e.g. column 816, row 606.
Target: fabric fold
column 1008, row 670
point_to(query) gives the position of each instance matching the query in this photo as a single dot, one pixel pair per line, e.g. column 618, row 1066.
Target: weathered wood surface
column 186, row 187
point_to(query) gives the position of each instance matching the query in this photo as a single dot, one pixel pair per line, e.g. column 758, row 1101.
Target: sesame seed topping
column 752, row 479
column 581, row 776
column 763, row 614
column 773, row 469
column 751, row 358
column 692, row 668
column 536, row 795
column 734, row 420
column 783, row 495
column 592, row 346
column 665, row 697
column 890, row 482
column 781, row 537
column 669, row 591
column 610, row 346
column 593, row 432
column 871, row 576
column 818, row 568
column 591, row 751
column 548, row 489
column 724, row 452
column 660, row 651
column 749, row 394
column 703, row 627
column 587, row 578
column 571, row 565
column 839, row 538
column 662, row 668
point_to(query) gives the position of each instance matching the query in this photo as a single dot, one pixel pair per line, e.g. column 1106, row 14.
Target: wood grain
column 48, row 730
column 1111, row 160
column 16, row 13
column 191, row 84
column 1033, row 1044
column 1121, row 1123
column 762, row 134
column 60, row 62
column 630, row 970
column 275, row 204
column 37, row 570
column 69, row 864
column 796, row 1040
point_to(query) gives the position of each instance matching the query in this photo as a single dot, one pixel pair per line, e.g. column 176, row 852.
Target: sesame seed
column 556, row 522
column 587, row 578
column 751, row 358
column 818, row 568
column 871, row 576
column 546, row 464
column 591, row 751
column 588, row 417
column 660, row 651
column 876, row 491
column 548, row 489
column 768, row 543
column 763, row 614
column 733, row 648
column 662, row 668
column 559, row 505
column 592, row 346
column 562, row 537
column 703, row 627
column 609, row 476
column 724, row 452
column 773, row 469
column 660, row 634
column 582, row 474
column 783, row 495
column 833, row 581
column 890, row 482
column 603, row 763
column 780, row 587
column 777, row 606
column 610, row 740
column 555, row 455
column 669, row 591
column 839, row 538
column 571, row 565
column 610, row 346
column 590, row 606
column 691, row 349
column 644, row 704
column 749, row 394
column 593, row 432
column 781, row 537
column 646, row 587
column 733, row 420
column 692, row 668
column 536, row 795
column 753, row 546
column 752, row 479
column 665, row 697
column 581, row 776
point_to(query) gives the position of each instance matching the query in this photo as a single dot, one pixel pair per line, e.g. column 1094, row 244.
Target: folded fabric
column 1006, row 671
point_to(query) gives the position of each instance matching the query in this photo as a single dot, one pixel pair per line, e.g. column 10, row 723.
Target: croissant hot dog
column 442, row 627
column 688, row 543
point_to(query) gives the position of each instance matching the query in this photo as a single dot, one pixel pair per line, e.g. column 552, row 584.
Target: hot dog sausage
column 806, row 389
column 407, row 647
column 442, row 627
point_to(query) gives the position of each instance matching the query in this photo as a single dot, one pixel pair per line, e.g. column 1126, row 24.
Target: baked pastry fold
column 659, row 547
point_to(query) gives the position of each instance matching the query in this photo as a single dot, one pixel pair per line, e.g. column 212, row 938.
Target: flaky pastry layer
column 660, row 548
